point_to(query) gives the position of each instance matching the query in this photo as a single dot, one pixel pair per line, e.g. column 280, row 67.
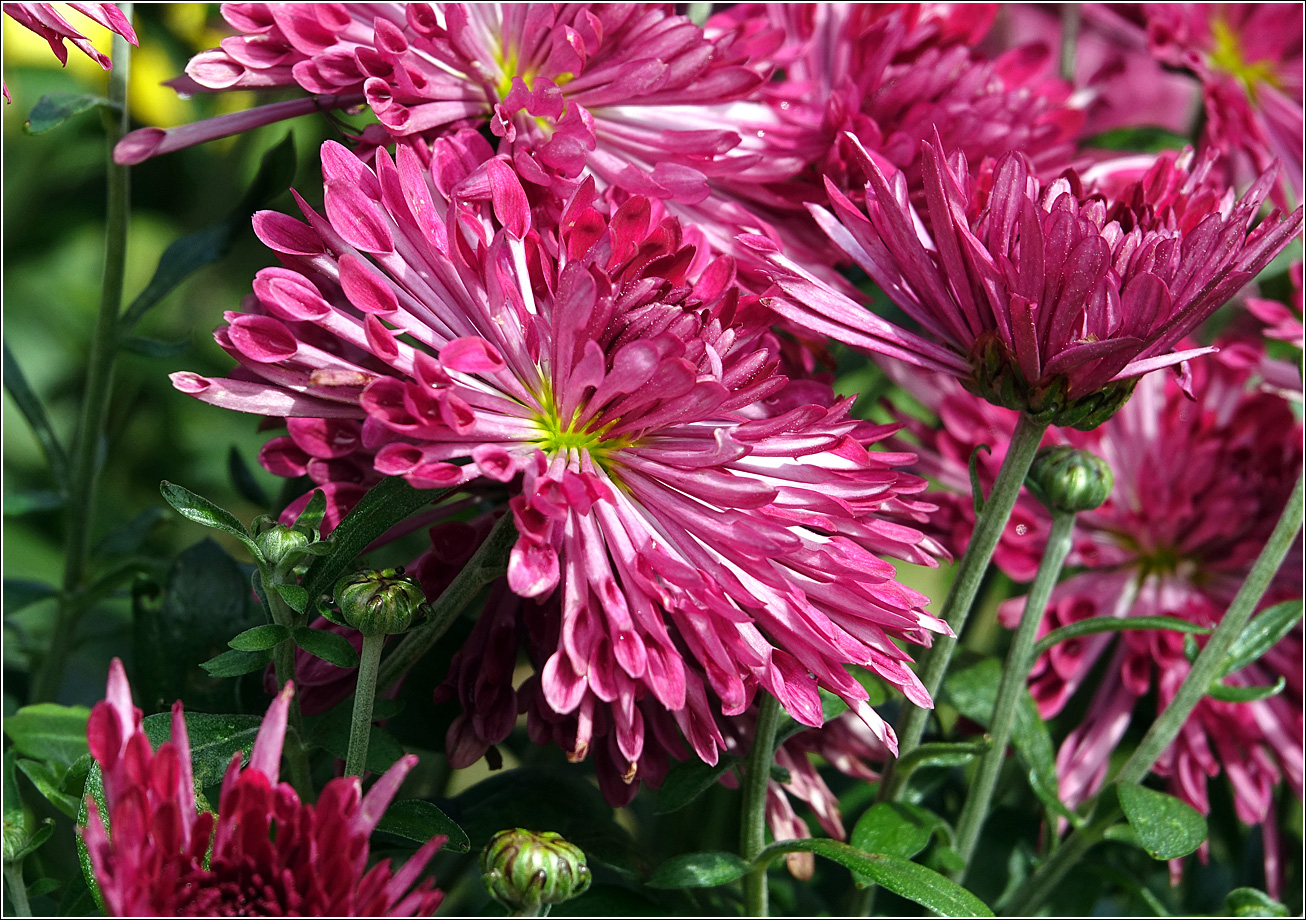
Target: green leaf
column 386, row 504
column 1094, row 625
column 242, row 477
column 1262, row 634
column 20, row 593
column 53, row 109
column 973, row 691
column 34, row 412
column 894, row 828
column 1141, row 139
column 295, row 596
column 29, row 845
column 1167, row 828
column 236, row 663
column 16, row 504
column 310, row 518
column 901, row 876
column 330, row 731
column 329, row 646
column 48, row 781
column 214, row 740
column 419, row 821
column 699, row 870
column 1249, row 902
column 260, row 638
column 154, row 348
column 688, row 780
column 1228, row 694
column 49, row 732
column 127, row 538
column 202, row 511
column 94, row 792
column 697, row 13
column 43, row 886
column 192, row 252
column 11, row 802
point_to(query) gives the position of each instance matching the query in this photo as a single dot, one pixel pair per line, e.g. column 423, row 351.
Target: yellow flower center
column 1228, row 57
column 560, row 436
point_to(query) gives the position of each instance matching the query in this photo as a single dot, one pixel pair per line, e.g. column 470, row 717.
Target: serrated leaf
column 202, row 511
column 1249, row 902
column 33, row 410
column 192, row 252
column 896, row 828
column 20, row 593
column 1228, row 694
column 901, row 876
column 699, row 870
column 48, row 732
column 236, row 663
column 295, row 596
column 1094, row 625
column 418, row 820
column 330, row 647
column 973, row 691
column 1262, row 634
column 385, row 504
column 1167, row 828
column 688, row 780
column 53, row 109
column 260, row 638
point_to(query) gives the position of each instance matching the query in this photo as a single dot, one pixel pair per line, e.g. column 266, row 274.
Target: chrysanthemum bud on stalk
column 1069, row 480
column 280, row 541
column 380, row 602
column 529, row 871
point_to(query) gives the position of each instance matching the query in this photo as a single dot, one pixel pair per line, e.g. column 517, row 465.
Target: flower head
column 264, row 854
column 706, row 529
column 1200, row 481
column 1046, row 298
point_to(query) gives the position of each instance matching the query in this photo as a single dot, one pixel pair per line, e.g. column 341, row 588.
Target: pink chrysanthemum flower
column 264, row 854
column 1200, row 481
column 1249, row 59
column 705, row 528
column 45, row 21
column 1044, row 298
column 1283, row 320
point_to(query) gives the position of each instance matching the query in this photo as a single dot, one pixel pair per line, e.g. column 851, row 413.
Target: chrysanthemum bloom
column 1048, row 299
column 892, row 75
column 1282, row 319
column 270, row 855
column 1199, row 484
column 1248, row 57
column 45, row 21
column 693, row 514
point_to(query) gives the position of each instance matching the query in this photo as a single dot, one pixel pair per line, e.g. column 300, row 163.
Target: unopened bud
column 526, row 870
column 1067, row 479
column 279, row 541
column 380, row 602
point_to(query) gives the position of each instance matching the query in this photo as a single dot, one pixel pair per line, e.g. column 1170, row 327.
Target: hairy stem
column 80, row 514
column 360, row 730
column 752, row 819
column 17, row 889
column 989, row 524
column 1020, row 659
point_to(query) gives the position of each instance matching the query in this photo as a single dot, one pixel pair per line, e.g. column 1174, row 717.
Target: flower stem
column 1166, row 728
column 485, row 566
column 752, row 823
column 989, row 524
column 1020, row 659
column 360, row 730
column 81, row 488
column 17, row 889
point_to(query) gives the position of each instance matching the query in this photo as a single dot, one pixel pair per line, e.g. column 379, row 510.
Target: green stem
column 989, row 524
column 1020, row 660
column 1070, row 15
column 752, row 819
column 17, row 888
column 283, row 663
column 1167, row 726
column 360, row 730
column 484, row 567
column 99, row 379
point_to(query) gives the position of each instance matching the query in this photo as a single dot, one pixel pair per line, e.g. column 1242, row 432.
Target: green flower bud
column 380, row 602
column 1066, row 479
column 526, row 870
column 279, row 541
